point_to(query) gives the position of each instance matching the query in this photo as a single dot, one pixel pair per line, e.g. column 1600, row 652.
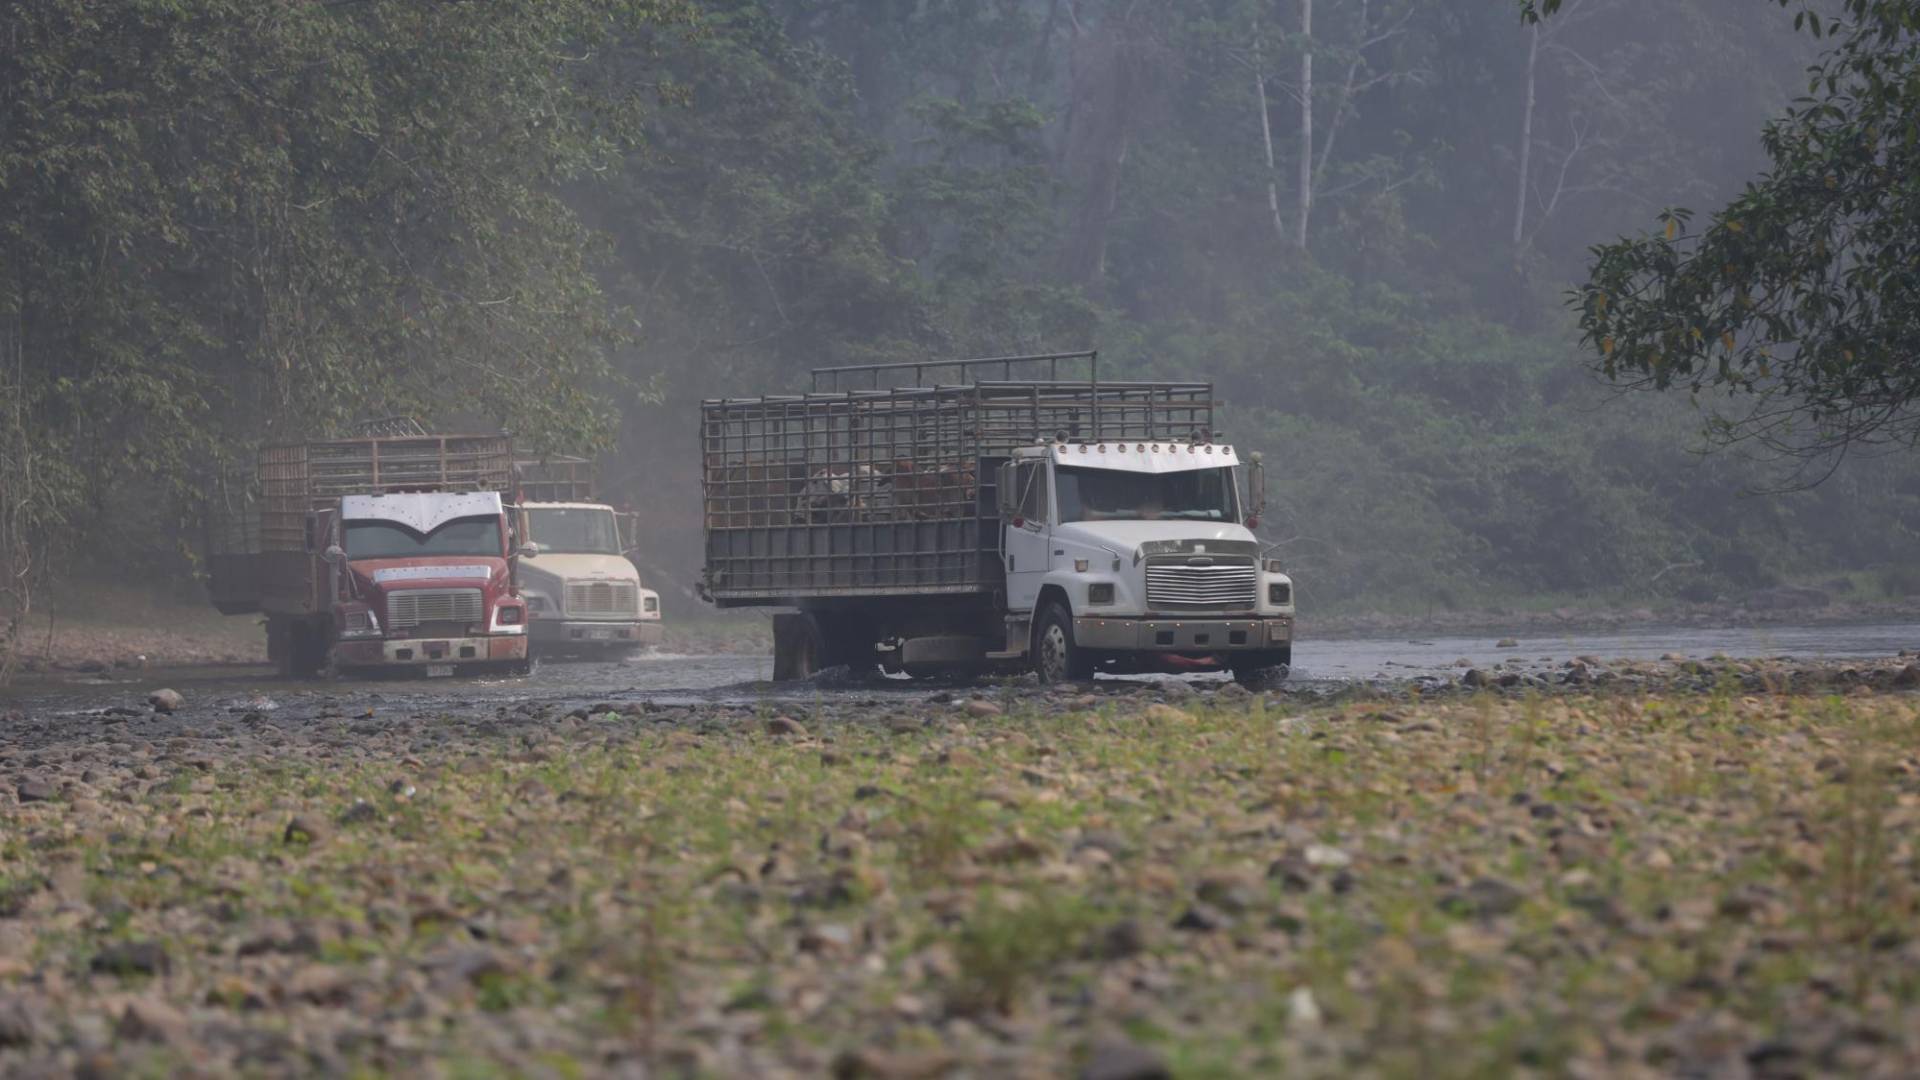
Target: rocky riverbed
column 1591, row 866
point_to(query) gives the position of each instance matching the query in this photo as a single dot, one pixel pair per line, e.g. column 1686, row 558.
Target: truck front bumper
column 1200, row 635
column 420, row 652
column 563, row 632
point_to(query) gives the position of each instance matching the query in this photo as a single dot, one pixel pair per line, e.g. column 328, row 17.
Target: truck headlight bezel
column 1279, row 593
column 1100, row 592
column 359, row 622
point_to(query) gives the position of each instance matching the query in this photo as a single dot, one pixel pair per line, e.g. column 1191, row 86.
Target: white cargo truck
column 1071, row 526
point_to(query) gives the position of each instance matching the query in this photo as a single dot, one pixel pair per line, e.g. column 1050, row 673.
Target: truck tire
column 310, row 650
column 1262, row 670
column 796, row 647
column 1056, row 658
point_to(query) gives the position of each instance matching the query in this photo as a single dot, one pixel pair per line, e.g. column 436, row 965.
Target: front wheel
column 1056, row 658
column 1262, row 670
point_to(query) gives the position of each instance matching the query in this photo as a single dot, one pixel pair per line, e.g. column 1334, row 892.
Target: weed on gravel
column 1220, row 887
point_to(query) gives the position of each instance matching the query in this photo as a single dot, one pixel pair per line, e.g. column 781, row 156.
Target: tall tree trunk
column 1526, row 148
column 1266, row 136
column 1345, row 100
column 1038, row 70
column 1305, row 209
column 1105, row 91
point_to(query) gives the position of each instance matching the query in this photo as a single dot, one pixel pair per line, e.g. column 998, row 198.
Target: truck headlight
column 511, row 616
column 1280, row 592
column 359, row 623
column 1100, row 593
column 650, row 604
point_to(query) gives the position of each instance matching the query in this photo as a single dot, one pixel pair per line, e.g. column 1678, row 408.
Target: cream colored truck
column 583, row 594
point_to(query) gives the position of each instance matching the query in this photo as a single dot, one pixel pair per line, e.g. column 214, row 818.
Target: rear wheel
column 300, row 648
column 1056, row 658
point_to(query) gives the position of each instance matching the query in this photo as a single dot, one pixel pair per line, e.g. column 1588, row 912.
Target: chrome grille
column 408, row 608
column 1222, row 585
column 602, row 598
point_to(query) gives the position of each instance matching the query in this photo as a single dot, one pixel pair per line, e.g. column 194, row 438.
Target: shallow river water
column 682, row 679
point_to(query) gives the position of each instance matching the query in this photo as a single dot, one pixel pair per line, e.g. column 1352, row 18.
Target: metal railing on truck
column 555, row 479
column 870, row 491
column 257, row 557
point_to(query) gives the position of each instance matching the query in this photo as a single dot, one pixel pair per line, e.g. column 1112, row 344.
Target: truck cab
column 1136, row 555
column 422, row 580
column 583, row 593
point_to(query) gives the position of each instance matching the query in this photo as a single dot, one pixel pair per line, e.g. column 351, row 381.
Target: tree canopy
column 1800, row 298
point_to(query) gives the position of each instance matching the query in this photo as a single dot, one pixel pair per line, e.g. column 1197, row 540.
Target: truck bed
column 891, row 492
column 257, row 550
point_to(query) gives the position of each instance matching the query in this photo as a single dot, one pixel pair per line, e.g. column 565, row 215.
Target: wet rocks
column 131, row 958
column 981, row 709
column 20, row 1023
column 1123, row 1059
column 33, row 790
column 1507, row 643
column 303, row 830
column 150, row 1019
column 1485, row 898
column 166, row 701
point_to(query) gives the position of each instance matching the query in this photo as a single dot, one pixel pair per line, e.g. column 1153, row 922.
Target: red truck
column 377, row 553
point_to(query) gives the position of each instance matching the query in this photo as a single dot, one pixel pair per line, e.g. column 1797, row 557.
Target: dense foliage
column 225, row 220
column 1802, row 296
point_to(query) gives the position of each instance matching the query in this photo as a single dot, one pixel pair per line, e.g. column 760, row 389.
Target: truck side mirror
column 334, row 554
column 1256, row 488
column 527, row 551
column 1009, row 489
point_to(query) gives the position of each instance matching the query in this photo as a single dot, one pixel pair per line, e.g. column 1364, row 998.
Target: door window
column 1033, row 493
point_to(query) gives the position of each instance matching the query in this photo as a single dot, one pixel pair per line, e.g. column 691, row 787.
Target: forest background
column 225, row 222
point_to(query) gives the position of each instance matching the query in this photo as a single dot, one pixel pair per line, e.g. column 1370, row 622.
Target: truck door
column 1028, row 536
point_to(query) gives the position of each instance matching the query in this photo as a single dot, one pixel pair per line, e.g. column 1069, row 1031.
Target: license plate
column 435, row 671
column 599, row 635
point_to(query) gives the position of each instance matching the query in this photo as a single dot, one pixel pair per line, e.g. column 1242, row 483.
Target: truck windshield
column 1112, row 495
column 392, row 540
column 574, row 530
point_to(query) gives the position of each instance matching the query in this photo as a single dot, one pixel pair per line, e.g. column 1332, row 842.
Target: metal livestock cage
column 555, row 479
column 871, row 491
column 257, row 544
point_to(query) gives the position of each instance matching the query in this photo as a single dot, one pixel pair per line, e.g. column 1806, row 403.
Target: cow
column 752, row 494
column 926, row 491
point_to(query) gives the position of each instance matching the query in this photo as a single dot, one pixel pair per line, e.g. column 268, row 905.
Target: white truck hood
column 1122, row 537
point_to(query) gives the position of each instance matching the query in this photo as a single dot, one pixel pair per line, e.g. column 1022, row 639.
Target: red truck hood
column 440, row 571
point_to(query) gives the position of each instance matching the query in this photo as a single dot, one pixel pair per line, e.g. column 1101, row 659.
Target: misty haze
column 959, row 538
